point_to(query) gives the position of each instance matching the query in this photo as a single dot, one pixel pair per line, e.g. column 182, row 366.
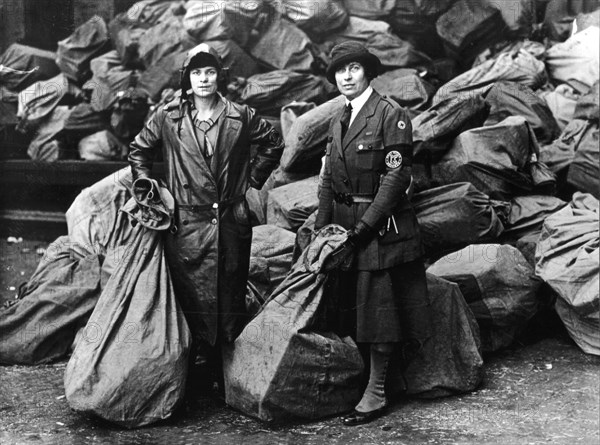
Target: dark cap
column 351, row 51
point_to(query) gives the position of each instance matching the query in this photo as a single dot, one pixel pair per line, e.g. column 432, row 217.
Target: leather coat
column 208, row 248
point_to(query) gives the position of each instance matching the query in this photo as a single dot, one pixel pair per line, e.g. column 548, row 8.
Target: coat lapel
column 189, row 143
column 337, row 132
column 229, row 133
column 360, row 121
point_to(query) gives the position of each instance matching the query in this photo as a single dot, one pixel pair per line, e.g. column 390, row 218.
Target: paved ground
column 542, row 390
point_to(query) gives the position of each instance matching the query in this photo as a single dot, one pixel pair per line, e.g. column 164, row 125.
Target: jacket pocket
column 370, row 154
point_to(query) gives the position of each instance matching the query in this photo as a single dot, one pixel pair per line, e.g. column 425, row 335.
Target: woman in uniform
column 205, row 142
column 367, row 171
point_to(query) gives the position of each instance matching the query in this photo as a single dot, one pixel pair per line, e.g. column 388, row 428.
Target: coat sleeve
column 397, row 140
column 324, row 213
column 142, row 148
column 270, row 148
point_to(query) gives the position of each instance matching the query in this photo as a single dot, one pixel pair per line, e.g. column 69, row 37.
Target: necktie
column 345, row 120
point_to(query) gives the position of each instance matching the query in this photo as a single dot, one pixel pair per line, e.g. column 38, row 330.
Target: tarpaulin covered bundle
column 102, row 146
column 37, row 101
column 21, row 66
column 559, row 154
column 514, row 99
column 584, row 172
column 87, row 42
column 270, row 261
column 222, row 20
column 283, row 46
column 519, row 66
column 290, row 114
column 499, row 285
column 450, row 361
column 527, row 214
column 316, row 17
column 94, row 220
column 560, row 14
column 453, row 216
column 162, row 75
column 306, row 139
column 469, row 27
column 268, row 92
column 129, row 114
column 536, row 49
column 499, row 160
column 519, row 16
column 393, row 52
column 406, row 86
column 370, row 9
column 562, row 103
column 588, row 105
column 166, row 37
column 585, row 20
column 128, row 27
column 109, row 77
column 288, row 206
column 130, row 364
column 435, row 129
column 46, row 146
column 56, row 301
column 278, row 178
column 415, row 21
column 576, row 61
column 84, row 120
column 359, row 30
column 9, row 105
column 567, row 258
column 239, row 63
column 284, row 364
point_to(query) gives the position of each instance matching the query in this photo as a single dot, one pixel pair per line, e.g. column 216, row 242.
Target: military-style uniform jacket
column 209, row 249
column 366, row 176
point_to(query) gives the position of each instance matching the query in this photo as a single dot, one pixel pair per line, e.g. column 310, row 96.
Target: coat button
column 214, row 221
column 186, row 186
column 216, row 205
column 186, row 259
column 360, row 147
column 185, row 222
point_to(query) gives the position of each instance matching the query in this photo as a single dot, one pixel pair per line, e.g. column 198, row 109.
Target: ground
column 543, row 389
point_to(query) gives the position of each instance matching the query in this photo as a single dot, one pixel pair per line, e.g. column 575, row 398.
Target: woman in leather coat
column 205, row 141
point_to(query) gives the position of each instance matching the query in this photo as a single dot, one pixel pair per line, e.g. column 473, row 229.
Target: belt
column 353, row 198
column 215, row 205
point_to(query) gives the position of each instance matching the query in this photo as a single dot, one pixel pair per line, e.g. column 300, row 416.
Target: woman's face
column 351, row 80
column 204, row 81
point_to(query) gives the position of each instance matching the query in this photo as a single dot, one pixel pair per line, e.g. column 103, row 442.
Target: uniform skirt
column 384, row 306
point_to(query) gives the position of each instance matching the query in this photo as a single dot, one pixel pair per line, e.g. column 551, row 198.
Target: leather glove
column 361, row 234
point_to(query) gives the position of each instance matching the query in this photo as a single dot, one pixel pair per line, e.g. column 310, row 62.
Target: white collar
column 358, row 102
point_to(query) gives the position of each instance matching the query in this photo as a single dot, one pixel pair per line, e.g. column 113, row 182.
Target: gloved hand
column 342, row 257
column 360, row 235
